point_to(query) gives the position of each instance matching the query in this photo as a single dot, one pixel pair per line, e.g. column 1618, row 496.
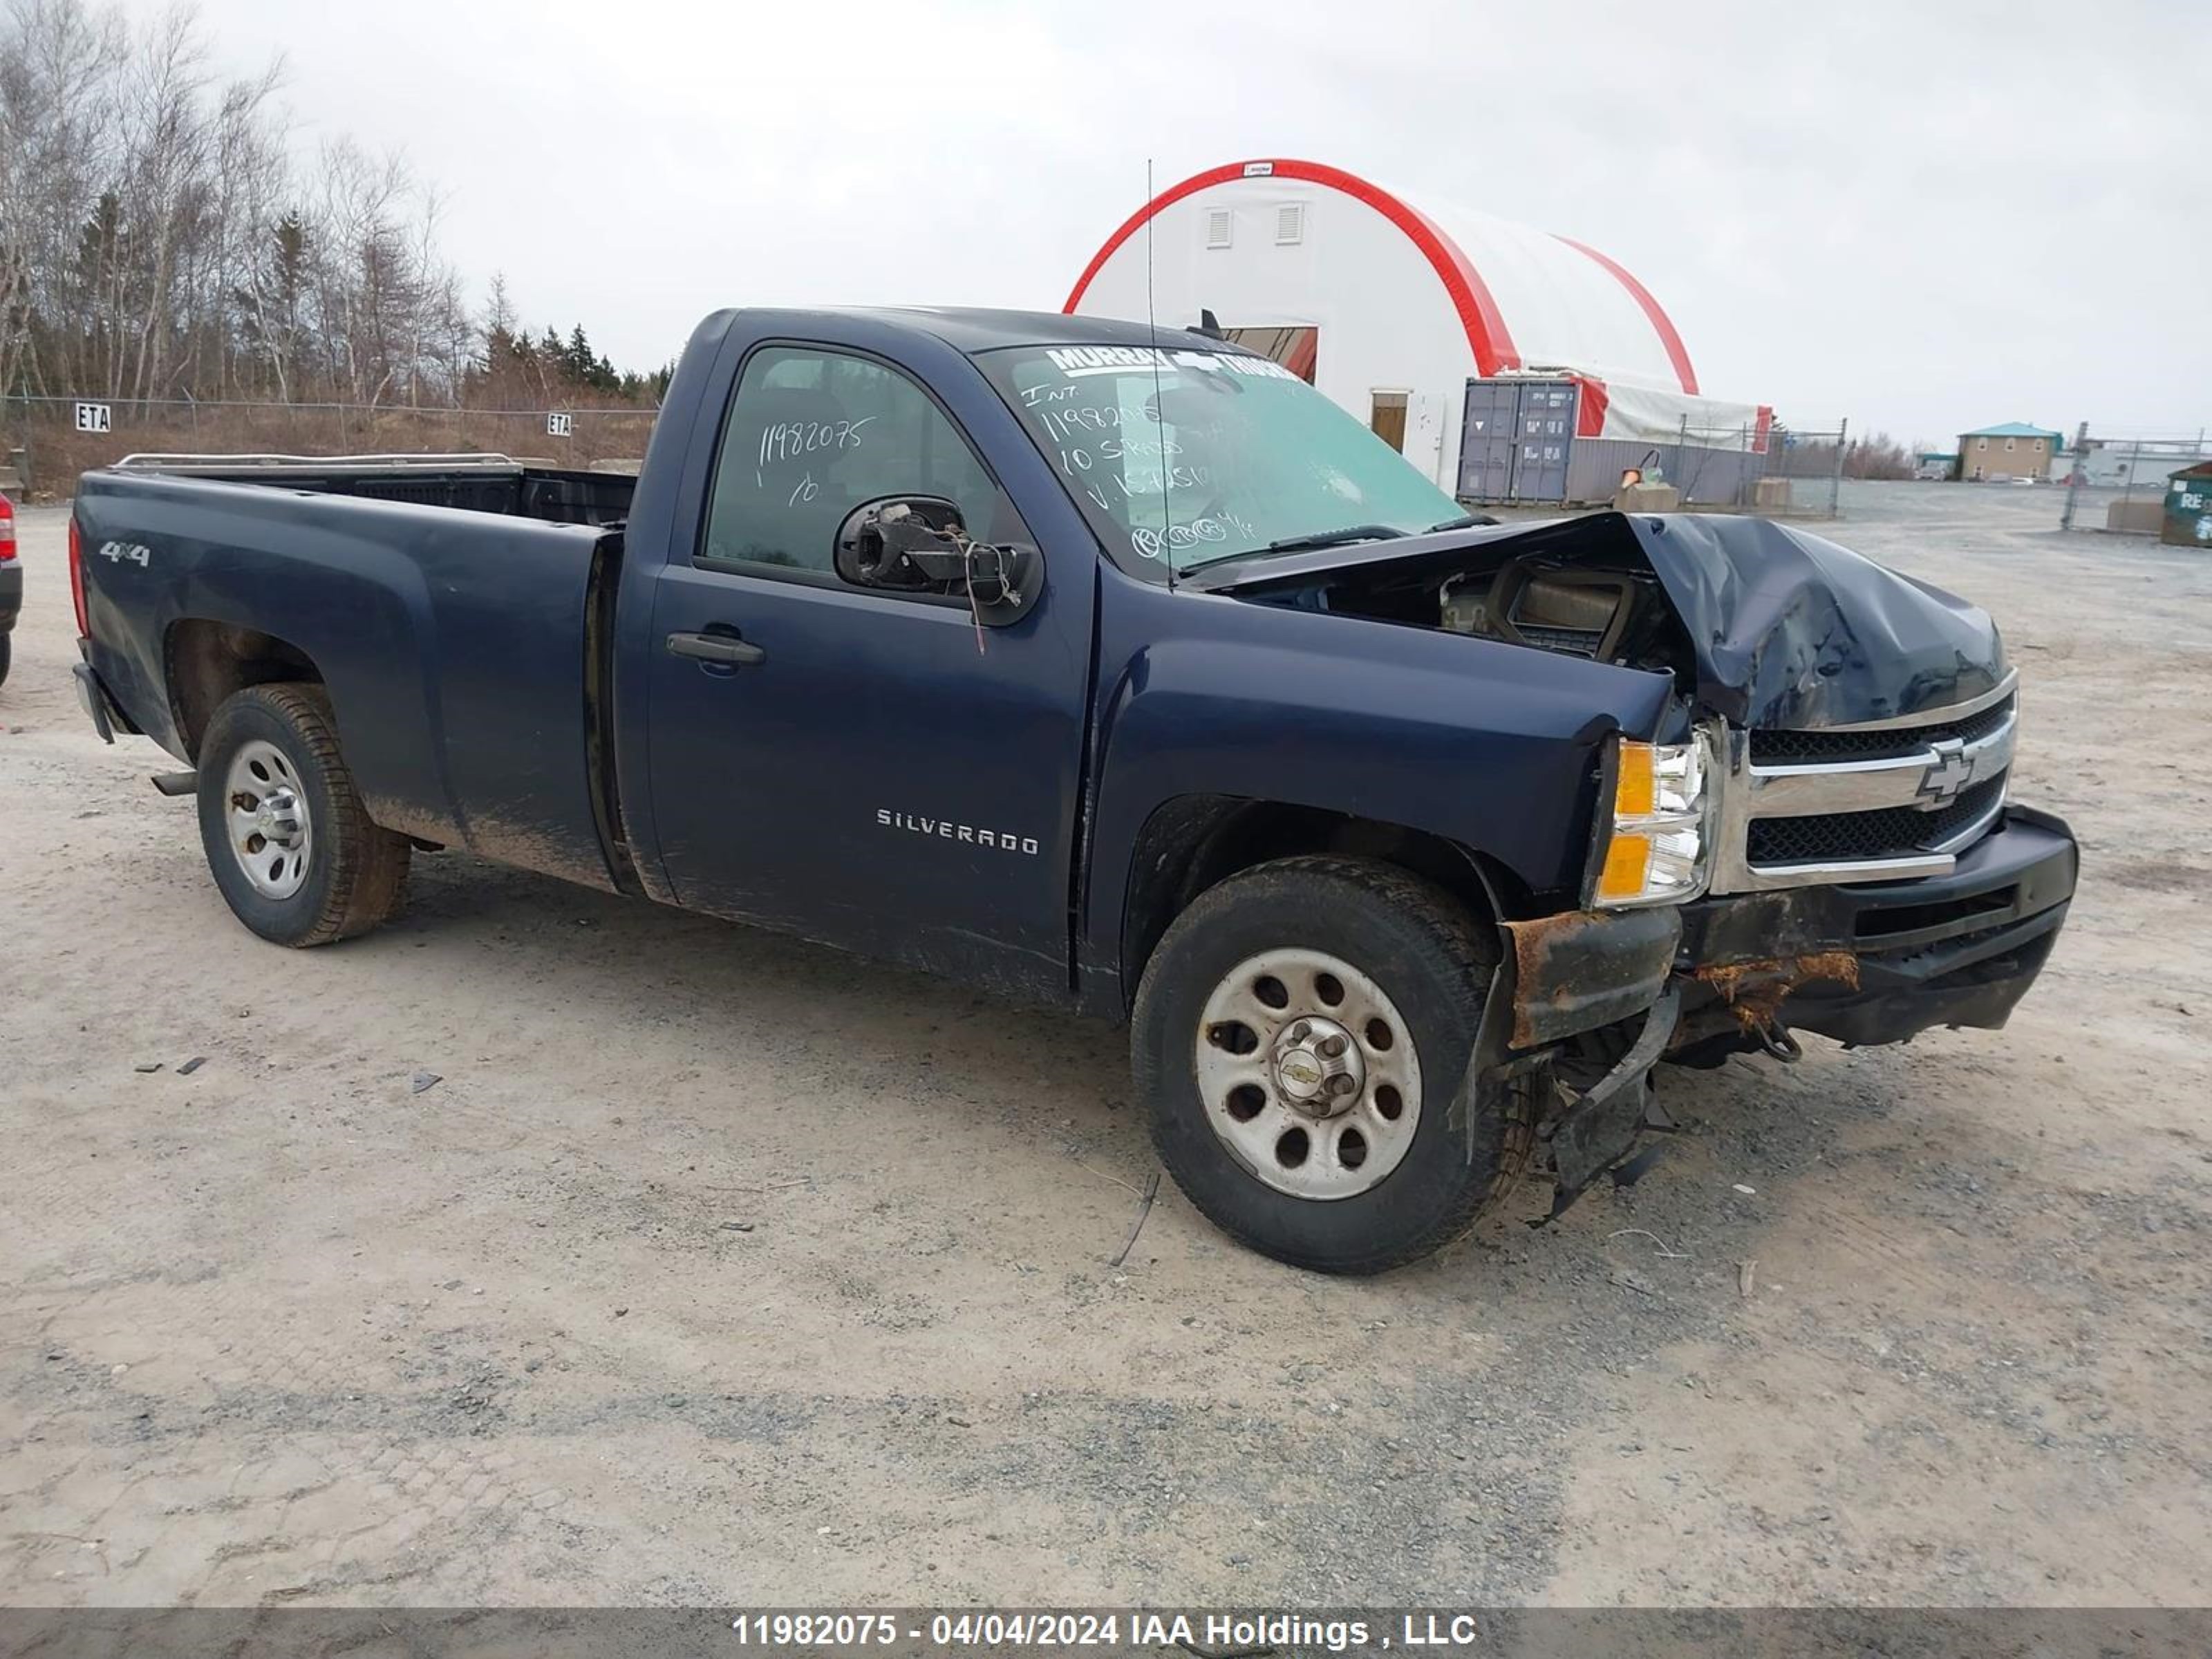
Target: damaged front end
column 1594, row 999
column 1818, row 837
column 1588, row 998
column 1752, row 991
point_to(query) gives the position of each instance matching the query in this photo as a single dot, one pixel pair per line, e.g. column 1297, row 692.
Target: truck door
column 879, row 772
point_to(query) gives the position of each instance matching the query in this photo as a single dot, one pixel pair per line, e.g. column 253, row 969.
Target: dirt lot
column 719, row 1268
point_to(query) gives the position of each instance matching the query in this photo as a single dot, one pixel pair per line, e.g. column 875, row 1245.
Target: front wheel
column 1301, row 1038
column 287, row 838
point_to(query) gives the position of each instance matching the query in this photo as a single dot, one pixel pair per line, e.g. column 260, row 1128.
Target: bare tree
column 58, row 64
column 162, row 238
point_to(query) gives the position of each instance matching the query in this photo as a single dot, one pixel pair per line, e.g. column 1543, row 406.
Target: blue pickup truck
column 1117, row 669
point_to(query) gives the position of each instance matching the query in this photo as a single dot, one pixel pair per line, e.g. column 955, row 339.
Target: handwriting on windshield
column 1065, row 423
column 1151, row 542
column 785, row 440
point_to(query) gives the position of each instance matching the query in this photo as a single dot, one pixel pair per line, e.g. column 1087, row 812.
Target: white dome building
column 1424, row 325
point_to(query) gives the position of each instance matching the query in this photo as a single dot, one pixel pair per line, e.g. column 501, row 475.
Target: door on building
column 1386, row 418
column 1425, row 436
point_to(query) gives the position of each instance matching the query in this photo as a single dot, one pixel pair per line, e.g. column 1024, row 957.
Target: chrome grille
column 1801, row 748
column 1887, row 832
column 1887, row 801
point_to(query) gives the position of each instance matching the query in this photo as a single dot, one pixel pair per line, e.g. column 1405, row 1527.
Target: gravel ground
column 718, row 1268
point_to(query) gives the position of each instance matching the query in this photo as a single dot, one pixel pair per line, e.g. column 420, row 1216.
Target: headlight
column 1655, row 849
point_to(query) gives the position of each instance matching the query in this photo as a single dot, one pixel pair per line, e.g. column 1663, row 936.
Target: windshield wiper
column 1355, row 532
column 1465, row 521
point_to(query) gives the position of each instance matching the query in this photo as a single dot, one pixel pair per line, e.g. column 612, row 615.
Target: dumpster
column 2189, row 508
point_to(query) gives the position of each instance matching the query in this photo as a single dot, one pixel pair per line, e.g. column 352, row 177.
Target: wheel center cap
column 1317, row 1068
column 277, row 817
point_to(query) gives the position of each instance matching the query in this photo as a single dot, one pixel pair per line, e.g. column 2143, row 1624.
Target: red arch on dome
column 1486, row 333
column 1677, row 354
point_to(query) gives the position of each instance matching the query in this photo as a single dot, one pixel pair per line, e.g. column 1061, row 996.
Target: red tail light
column 6, row 530
column 77, row 579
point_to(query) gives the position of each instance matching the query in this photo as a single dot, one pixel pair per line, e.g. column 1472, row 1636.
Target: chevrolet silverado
column 1117, row 669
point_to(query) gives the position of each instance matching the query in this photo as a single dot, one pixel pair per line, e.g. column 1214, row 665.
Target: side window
column 811, row 434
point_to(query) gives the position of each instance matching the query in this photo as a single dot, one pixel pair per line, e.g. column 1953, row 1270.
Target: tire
column 7, row 654
column 330, row 875
column 1410, row 945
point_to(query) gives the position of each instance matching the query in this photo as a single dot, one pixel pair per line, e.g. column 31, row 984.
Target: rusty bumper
column 1880, row 963
column 1863, row 964
column 1566, row 975
column 1585, row 969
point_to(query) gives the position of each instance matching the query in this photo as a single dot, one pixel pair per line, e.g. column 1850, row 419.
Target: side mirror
column 877, row 542
column 917, row 545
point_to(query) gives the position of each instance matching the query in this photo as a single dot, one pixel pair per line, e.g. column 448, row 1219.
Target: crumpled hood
column 1787, row 629
column 1792, row 630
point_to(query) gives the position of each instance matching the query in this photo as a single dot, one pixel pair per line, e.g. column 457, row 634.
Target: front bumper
column 1872, row 963
column 1883, row 961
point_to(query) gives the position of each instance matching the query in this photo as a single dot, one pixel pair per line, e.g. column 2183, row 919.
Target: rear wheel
column 1301, row 1038
column 287, row 838
column 7, row 652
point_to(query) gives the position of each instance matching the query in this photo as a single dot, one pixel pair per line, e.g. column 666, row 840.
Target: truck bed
column 477, row 483
column 447, row 607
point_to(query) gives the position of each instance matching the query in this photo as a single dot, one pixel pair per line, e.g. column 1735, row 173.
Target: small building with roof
column 2014, row 450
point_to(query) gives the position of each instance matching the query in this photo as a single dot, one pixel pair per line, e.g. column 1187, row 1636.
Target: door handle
column 726, row 648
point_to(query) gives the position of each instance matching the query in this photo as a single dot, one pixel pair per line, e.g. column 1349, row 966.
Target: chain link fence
column 1811, row 463
column 46, row 442
column 2125, row 476
column 1788, row 470
column 1783, row 472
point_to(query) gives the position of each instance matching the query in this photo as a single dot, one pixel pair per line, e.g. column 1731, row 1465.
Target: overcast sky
column 1925, row 217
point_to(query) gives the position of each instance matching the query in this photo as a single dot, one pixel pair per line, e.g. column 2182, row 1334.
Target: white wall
column 1353, row 263
column 2115, row 462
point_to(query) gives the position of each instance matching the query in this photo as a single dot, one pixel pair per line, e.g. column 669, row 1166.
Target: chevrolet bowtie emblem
column 1947, row 776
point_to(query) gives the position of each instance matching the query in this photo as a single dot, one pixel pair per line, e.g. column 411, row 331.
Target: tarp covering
column 1663, row 417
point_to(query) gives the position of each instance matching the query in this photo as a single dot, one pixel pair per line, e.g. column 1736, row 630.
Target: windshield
column 1181, row 457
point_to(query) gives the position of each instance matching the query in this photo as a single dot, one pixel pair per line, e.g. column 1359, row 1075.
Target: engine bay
column 1603, row 605
column 1608, row 615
